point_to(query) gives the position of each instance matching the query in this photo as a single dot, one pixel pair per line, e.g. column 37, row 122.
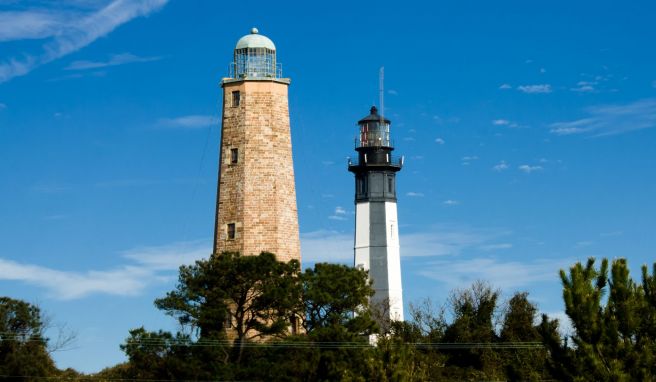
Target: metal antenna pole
column 381, row 87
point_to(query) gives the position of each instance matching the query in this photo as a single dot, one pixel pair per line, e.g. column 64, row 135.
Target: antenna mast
column 381, row 87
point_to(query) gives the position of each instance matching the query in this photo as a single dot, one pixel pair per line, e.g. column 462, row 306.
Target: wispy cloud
column 392, row 92
column 503, row 274
column 51, row 188
column 529, row 169
column 496, row 246
column 339, row 214
column 114, row 60
column 3, row 106
column 148, row 266
column 501, row 166
column 326, row 246
column 190, row 121
column 450, row 202
column 414, row 194
column 505, row 87
column 439, row 141
column 466, row 160
column 583, row 244
column 585, row 87
column 611, row 119
column 66, row 32
column 535, row 89
column 32, row 24
column 438, row 240
column 505, row 122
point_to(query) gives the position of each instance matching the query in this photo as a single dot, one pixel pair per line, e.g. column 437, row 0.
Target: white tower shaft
column 377, row 251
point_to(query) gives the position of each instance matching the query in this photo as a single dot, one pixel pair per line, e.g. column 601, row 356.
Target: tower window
column 236, row 97
column 231, row 231
column 390, row 184
column 234, row 156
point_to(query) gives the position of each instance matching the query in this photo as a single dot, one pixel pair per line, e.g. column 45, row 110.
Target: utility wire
column 156, row 342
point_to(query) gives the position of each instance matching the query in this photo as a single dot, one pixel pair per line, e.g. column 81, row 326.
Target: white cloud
column 505, row 86
column 502, row 274
column 529, row 169
column 392, row 92
column 339, row 214
column 497, row 246
column 450, row 202
column 501, row 122
column 535, row 89
column 469, row 158
column 413, row 194
column 149, row 265
column 440, row 240
column 501, row 166
column 439, row 141
column 68, row 33
column 190, row 121
column 114, row 60
column 611, row 119
column 31, row 24
column 565, row 326
column 169, row 257
column 585, row 87
column 326, row 246
column 583, row 244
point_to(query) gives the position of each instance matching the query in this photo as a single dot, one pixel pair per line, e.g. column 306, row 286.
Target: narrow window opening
column 236, row 97
column 390, row 185
column 231, row 231
column 234, row 156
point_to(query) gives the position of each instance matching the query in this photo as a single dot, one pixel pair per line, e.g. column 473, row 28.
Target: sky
column 527, row 130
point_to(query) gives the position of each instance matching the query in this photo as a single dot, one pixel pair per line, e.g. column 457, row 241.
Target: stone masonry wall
column 257, row 194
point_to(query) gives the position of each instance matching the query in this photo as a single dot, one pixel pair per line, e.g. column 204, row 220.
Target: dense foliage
column 254, row 318
column 23, row 347
column 614, row 320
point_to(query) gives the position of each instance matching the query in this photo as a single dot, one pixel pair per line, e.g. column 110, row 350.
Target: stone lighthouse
column 256, row 201
column 376, row 224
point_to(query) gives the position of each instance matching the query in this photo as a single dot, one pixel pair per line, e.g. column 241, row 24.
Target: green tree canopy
column 613, row 321
column 252, row 296
column 23, row 347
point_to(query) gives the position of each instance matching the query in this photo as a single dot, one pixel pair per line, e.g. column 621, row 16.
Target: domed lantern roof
column 255, row 40
column 255, row 58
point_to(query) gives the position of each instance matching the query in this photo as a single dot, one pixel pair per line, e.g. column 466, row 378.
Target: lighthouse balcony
column 382, row 161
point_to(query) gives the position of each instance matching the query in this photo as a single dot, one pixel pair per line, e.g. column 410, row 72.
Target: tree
column 250, row 296
column 336, row 299
column 332, row 293
column 473, row 310
column 23, row 347
column 614, row 337
column 525, row 364
column 161, row 355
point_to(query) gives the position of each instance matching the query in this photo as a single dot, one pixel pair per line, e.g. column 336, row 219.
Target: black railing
column 388, row 160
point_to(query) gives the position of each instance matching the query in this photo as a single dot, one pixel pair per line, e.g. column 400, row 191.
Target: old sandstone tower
column 256, row 198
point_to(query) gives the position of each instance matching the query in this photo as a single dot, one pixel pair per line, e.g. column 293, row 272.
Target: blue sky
column 527, row 130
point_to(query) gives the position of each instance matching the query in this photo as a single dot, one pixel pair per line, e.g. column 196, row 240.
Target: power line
column 157, row 342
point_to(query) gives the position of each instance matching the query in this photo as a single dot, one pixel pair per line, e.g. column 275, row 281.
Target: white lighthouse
column 376, row 224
